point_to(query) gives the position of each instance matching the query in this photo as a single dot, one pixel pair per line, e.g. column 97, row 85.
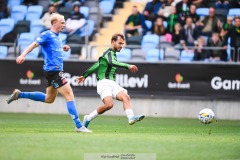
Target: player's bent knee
column 109, row 106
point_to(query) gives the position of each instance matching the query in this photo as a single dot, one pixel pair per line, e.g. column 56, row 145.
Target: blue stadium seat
column 202, row 11
column 34, row 12
column 150, row 42
column 25, row 39
column 234, row 12
column 165, row 24
column 106, row 6
column 18, row 12
column 90, row 25
column 36, row 27
column 186, row 56
column 6, row 25
column 148, row 24
column 12, row 3
column 3, row 51
column 63, row 37
column 124, row 55
column 85, row 11
column 154, row 55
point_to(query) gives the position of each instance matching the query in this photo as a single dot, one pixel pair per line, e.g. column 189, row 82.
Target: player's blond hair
column 55, row 17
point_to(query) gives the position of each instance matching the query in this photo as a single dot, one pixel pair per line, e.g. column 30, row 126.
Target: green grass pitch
column 52, row 137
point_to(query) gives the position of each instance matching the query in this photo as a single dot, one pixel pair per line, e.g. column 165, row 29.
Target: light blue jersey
column 52, row 51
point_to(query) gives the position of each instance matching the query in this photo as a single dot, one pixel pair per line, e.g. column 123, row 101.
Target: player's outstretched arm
column 80, row 79
column 133, row 68
column 21, row 58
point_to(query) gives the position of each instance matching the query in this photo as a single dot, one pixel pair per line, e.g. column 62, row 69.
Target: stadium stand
column 171, row 54
column 85, row 11
column 18, row 12
column 12, row 3
column 106, row 6
column 36, row 27
column 221, row 14
column 186, row 56
column 25, row 39
column 154, row 55
column 138, row 55
column 149, row 42
column 22, row 26
column 34, row 12
column 3, row 51
column 234, row 12
column 6, row 25
column 98, row 29
column 202, row 11
column 124, row 55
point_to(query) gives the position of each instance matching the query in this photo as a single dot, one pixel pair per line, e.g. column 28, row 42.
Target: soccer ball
column 206, row 116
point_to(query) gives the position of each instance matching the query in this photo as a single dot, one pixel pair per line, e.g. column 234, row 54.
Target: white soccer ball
column 206, row 116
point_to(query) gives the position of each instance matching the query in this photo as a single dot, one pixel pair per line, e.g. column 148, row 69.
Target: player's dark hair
column 237, row 17
column 116, row 35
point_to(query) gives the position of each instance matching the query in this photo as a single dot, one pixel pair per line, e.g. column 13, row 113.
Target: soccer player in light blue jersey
column 52, row 52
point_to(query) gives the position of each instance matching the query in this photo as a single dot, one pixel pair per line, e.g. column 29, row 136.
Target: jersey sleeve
column 42, row 38
column 112, row 60
column 91, row 70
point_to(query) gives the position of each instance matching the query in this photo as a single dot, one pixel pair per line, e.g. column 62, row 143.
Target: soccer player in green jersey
column 107, row 88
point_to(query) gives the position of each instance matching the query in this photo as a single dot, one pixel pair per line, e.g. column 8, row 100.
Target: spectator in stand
column 183, row 9
column 222, row 4
column 56, row 3
column 211, row 3
column 30, row 2
column 200, row 54
column 209, row 24
column 3, row 9
column 151, row 9
column 193, row 13
column 176, row 34
column 158, row 28
column 189, row 34
column 76, row 21
column 234, row 3
column 227, row 26
column 234, row 35
column 71, row 3
column 46, row 19
column 166, row 9
column 172, row 19
column 217, row 54
column 198, row 3
column 135, row 24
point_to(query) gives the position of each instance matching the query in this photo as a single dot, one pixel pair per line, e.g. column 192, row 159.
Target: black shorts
column 55, row 79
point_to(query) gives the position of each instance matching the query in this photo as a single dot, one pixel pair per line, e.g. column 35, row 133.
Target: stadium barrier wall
column 158, row 89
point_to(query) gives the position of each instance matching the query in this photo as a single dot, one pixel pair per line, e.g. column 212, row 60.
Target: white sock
column 129, row 113
column 92, row 115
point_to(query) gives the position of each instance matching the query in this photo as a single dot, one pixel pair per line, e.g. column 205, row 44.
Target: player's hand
column 80, row 79
column 66, row 48
column 20, row 59
column 133, row 68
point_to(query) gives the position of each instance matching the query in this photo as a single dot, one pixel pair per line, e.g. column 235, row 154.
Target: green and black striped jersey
column 106, row 66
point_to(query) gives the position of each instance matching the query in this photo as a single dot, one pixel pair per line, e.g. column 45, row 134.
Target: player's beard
column 117, row 49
